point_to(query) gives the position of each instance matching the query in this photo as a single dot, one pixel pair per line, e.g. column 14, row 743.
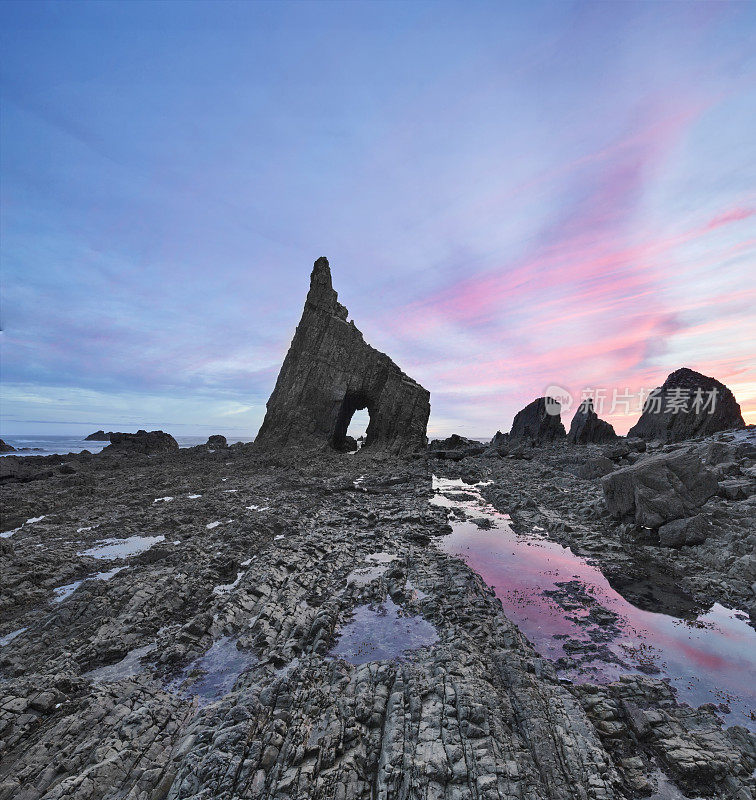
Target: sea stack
column 687, row 405
column 587, row 428
column 539, row 422
column 329, row 373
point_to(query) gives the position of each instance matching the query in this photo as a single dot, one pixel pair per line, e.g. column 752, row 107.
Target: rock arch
column 329, row 373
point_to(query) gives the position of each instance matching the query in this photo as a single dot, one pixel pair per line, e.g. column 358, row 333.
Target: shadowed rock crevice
column 329, row 373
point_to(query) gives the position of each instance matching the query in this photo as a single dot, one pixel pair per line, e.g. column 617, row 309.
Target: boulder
column 6, row 448
column 660, row 488
column 347, row 445
column 687, row 405
column 217, row 442
column 679, row 532
column 329, row 373
column 587, row 428
column 99, row 436
column 539, row 422
column 142, row 441
column 591, row 467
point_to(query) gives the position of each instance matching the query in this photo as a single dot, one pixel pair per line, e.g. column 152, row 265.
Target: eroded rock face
column 660, row 488
column 329, row 373
column 217, row 441
column 587, row 428
column 687, row 405
column 6, row 448
column 539, row 422
column 141, row 442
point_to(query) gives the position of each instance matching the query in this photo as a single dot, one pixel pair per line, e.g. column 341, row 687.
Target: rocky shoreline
column 204, row 664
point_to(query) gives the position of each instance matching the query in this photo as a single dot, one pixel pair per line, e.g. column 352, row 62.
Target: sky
column 512, row 197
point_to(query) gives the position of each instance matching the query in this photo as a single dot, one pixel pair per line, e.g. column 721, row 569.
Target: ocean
column 41, row 445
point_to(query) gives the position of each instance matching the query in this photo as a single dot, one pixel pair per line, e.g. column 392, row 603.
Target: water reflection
column 382, row 631
column 573, row 616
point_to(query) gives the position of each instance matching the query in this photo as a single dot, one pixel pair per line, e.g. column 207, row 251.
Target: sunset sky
column 511, row 196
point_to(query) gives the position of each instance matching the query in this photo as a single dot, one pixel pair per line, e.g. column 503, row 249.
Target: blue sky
column 511, row 196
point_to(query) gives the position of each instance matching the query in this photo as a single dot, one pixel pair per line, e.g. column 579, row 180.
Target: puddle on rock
column 111, row 549
column 213, row 675
column 127, row 667
column 62, row 592
column 9, row 637
column 380, row 632
column 572, row 615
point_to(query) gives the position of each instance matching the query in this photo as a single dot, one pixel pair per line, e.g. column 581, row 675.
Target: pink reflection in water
column 712, row 659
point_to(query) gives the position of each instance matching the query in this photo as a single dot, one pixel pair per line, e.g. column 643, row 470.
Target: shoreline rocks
column 141, row 442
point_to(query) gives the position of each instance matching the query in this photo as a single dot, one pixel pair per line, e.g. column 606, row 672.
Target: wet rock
column 141, row 442
column 329, row 373
column 538, row 423
column 687, row 405
column 679, row 532
column 6, row 448
column 659, row 488
column 587, row 428
column 216, row 441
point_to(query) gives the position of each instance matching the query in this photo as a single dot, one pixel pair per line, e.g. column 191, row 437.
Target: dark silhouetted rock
column 587, row 428
column 99, row 436
column 687, row 405
column 454, row 442
column 539, row 422
column 141, row 442
column 329, row 373
column 347, row 445
column 679, row 532
column 217, row 442
column 6, row 448
column 660, row 488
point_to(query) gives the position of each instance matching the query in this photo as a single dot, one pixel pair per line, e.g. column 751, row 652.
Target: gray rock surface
column 679, row 532
column 587, row 428
column 6, row 448
column 656, row 490
column 329, row 373
column 688, row 405
column 106, row 694
column 538, row 423
column 217, row 441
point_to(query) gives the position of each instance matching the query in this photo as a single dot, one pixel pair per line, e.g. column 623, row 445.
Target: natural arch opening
column 352, row 423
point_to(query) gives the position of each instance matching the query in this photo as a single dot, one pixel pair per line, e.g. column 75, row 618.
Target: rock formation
column 99, row 436
column 587, row 428
column 537, row 422
column 141, row 442
column 660, row 488
column 329, row 373
column 217, row 441
column 687, row 405
column 6, row 448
